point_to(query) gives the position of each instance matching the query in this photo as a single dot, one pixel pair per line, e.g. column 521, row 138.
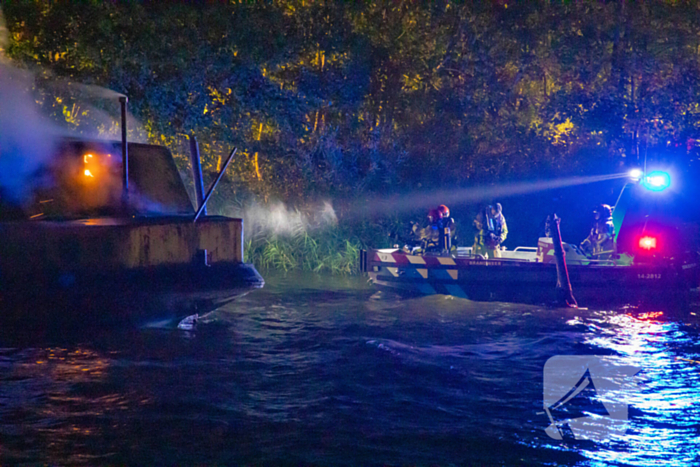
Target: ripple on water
column 314, row 369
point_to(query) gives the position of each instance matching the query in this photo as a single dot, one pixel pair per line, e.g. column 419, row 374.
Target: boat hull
column 528, row 282
column 111, row 270
column 134, row 296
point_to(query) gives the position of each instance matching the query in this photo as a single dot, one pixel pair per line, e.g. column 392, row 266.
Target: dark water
column 320, row 370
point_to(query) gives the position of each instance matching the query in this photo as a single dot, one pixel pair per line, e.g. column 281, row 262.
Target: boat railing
column 467, row 253
column 526, row 248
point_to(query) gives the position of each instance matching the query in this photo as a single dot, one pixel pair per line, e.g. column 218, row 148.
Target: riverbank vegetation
column 278, row 237
column 325, row 252
column 347, row 101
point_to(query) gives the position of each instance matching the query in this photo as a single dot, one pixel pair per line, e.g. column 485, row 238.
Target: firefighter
column 429, row 236
column 479, row 247
column 495, row 230
column 600, row 243
column 446, row 228
column 447, row 221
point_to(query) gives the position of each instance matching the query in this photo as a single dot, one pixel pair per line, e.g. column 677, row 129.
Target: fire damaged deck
column 121, row 269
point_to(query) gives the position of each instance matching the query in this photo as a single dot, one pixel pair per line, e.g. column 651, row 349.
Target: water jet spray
column 403, row 203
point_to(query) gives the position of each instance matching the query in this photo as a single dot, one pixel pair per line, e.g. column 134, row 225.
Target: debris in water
column 189, row 323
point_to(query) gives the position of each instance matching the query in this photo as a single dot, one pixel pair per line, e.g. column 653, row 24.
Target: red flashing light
column 647, row 243
column 650, row 315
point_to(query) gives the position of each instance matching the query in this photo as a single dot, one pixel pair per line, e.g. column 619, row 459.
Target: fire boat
column 651, row 264
column 110, row 235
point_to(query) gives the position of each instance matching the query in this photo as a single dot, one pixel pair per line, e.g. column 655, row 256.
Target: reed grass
column 333, row 249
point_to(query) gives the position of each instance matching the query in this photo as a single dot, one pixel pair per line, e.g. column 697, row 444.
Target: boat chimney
column 125, row 154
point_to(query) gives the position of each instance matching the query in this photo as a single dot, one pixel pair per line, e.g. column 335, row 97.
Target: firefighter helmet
column 434, row 215
column 604, row 210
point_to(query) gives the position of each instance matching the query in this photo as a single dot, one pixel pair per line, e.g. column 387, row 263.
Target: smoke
column 277, row 220
column 26, row 138
column 36, row 111
column 97, row 91
column 88, row 111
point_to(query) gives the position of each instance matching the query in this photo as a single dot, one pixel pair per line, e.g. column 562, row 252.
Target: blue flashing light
column 656, row 181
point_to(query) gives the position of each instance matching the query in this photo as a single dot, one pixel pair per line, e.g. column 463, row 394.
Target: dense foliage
column 329, row 98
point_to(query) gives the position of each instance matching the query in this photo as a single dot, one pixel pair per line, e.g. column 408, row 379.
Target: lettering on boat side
column 649, row 276
column 585, row 396
column 487, row 263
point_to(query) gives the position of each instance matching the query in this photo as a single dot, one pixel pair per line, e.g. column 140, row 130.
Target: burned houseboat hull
column 121, row 270
column 105, row 231
column 530, row 282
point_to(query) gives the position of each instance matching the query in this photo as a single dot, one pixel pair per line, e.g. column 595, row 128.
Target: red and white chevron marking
column 402, row 259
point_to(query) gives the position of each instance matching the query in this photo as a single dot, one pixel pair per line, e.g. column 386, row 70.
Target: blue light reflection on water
column 664, row 422
column 317, row 370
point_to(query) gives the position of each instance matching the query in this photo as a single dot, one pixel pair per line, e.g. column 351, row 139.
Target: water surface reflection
column 325, row 370
column 664, row 411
